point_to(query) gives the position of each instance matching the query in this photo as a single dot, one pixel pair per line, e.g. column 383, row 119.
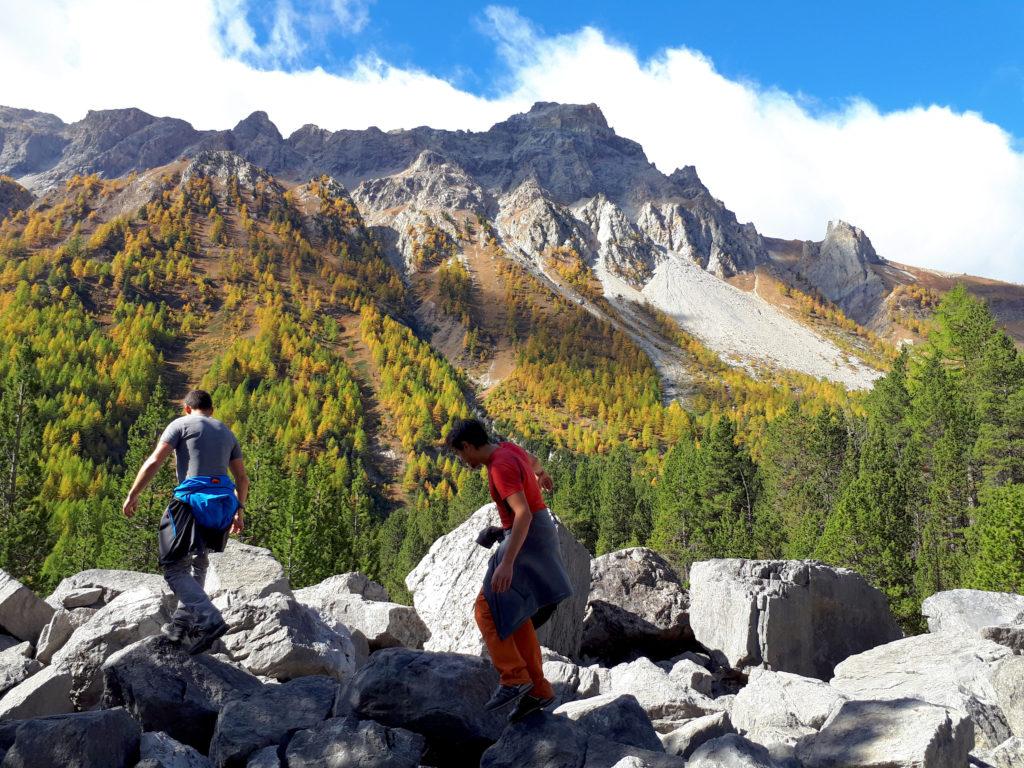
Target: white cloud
column 931, row 187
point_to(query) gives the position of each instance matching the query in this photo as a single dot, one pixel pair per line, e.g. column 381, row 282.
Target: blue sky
column 903, row 118
column 966, row 55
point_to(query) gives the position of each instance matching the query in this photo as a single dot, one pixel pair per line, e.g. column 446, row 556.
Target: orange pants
column 517, row 657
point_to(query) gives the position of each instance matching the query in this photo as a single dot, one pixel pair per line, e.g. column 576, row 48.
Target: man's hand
column 545, row 481
column 130, row 505
column 238, row 524
column 501, row 579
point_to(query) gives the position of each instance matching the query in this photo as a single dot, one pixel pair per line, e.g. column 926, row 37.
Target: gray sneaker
column 206, row 637
column 506, row 694
column 527, row 706
column 176, row 631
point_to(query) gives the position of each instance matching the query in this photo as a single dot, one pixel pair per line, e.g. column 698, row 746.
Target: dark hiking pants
column 184, row 545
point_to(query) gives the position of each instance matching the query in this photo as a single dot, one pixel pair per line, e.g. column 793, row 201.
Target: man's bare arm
column 538, row 469
column 237, row 467
column 147, row 472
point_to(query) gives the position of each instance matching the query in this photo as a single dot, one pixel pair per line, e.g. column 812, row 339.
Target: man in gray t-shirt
column 204, row 448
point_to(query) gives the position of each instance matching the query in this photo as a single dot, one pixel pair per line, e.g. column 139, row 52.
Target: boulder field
column 757, row 664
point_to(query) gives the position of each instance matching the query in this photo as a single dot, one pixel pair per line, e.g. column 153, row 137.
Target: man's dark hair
column 464, row 431
column 199, row 400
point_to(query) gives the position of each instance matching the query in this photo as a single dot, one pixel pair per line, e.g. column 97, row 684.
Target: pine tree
column 130, row 544
column 24, row 540
column 617, row 501
column 676, row 501
column 997, row 541
column 801, row 465
column 872, row 530
column 577, row 499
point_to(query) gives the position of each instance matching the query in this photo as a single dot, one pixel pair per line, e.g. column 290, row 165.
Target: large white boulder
column 22, row 614
column 111, row 583
column 15, row 669
column 667, row 702
column 128, row 618
column 245, row 570
column 903, row 733
column 636, row 607
column 47, row 692
column 59, row 631
column 382, row 624
column 447, row 580
column 781, row 708
column 788, row 615
column 276, row 636
column 968, row 610
column 352, row 583
column 948, row 670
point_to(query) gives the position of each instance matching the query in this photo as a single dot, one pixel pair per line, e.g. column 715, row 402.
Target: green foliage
column 997, row 540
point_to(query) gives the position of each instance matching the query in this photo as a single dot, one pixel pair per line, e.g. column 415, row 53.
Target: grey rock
column 907, row 733
column 731, row 751
column 840, row 267
column 1008, row 683
column 969, row 610
column 438, row 695
column 789, row 615
column 636, row 607
column 1011, row 636
column 447, row 580
column 691, row 735
column 165, row 752
column 570, row 681
column 666, row 701
column 128, row 618
column 382, row 624
column 112, row 582
column 551, row 741
column 104, row 739
column 82, row 598
column 47, row 692
column 949, row 670
column 614, row 716
column 346, row 742
column 245, row 570
column 15, row 669
column 22, row 614
column 265, row 758
column 276, row 636
column 692, row 675
column 782, row 708
column 166, row 689
column 57, row 633
column 266, row 717
column 352, row 583
column 1009, row 754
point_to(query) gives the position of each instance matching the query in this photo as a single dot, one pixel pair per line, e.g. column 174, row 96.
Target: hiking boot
column 176, row 631
column 527, row 706
column 506, row 694
column 206, row 637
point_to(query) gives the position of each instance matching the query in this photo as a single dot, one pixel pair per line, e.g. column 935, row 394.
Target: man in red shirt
column 526, row 577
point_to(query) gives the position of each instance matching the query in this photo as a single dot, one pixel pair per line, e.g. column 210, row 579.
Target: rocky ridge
column 285, row 688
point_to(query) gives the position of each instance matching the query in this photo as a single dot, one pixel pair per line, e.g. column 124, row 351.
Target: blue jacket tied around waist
column 539, row 578
column 212, row 500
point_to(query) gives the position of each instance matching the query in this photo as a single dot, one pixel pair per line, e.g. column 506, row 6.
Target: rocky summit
column 758, row 664
column 560, row 193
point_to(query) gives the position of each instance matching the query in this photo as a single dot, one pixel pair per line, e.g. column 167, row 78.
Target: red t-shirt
column 508, row 473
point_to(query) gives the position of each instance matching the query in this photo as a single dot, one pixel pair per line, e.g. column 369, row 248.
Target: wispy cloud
column 293, row 27
column 931, row 186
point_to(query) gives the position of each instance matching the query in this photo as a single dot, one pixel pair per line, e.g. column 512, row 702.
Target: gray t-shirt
column 202, row 445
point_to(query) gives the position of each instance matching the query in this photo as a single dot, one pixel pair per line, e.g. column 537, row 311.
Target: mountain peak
column 257, row 124
column 578, row 118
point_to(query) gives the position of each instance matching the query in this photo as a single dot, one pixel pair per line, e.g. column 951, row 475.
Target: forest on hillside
column 281, row 303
